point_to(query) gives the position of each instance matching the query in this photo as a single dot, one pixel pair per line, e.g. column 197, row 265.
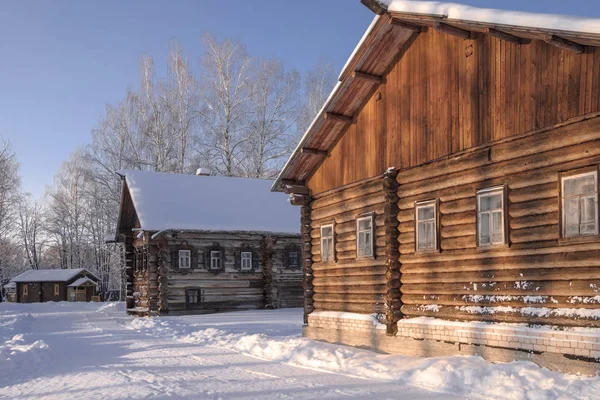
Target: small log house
column 453, row 173
column 43, row 285
column 199, row 244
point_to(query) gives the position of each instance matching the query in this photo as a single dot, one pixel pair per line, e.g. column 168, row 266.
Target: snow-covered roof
column 493, row 16
column 10, row 285
column 165, row 201
column 49, row 275
column 82, row 281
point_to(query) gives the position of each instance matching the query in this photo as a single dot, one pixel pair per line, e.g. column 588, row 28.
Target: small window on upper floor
column 293, row 259
column 426, row 225
column 215, row 260
column 490, row 217
column 246, row 260
column 579, row 204
column 327, row 243
column 185, row 259
column 364, row 236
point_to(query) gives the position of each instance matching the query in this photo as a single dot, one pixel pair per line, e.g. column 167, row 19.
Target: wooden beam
column 504, row 36
column 407, row 25
column 317, row 152
column 367, row 77
column 339, row 118
column 291, row 182
column 565, row 44
column 300, row 200
column 452, row 30
column 374, row 6
column 292, row 189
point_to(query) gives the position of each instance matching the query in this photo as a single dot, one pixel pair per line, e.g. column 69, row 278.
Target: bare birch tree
column 318, row 83
column 226, row 90
column 31, row 231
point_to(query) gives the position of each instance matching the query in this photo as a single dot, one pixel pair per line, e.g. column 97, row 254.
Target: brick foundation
column 565, row 351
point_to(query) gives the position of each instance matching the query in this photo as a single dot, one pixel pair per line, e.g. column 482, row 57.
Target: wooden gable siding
column 536, row 269
column 437, row 101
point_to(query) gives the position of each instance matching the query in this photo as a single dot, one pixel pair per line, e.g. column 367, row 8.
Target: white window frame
column 215, row 258
column 297, row 258
column 185, row 255
column 487, row 192
column 246, row 258
column 563, row 198
column 331, row 257
column 187, row 296
column 358, row 236
column 427, row 204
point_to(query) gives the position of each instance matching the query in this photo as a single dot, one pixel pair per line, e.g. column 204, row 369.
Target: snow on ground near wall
column 96, row 351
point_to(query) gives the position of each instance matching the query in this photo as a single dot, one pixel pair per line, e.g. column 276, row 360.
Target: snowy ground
column 95, row 351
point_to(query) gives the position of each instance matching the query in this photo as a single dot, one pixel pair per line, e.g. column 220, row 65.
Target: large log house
column 198, row 244
column 453, row 173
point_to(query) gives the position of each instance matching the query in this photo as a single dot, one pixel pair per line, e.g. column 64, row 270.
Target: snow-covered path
column 96, row 353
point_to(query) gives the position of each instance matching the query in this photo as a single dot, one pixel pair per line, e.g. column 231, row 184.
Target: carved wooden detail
column 393, row 300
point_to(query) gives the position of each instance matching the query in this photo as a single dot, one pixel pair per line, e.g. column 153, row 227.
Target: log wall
column 537, row 277
column 348, row 284
column 446, row 95
column 230, row 288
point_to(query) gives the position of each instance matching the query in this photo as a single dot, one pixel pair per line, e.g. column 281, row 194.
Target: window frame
column 218, row 258
column 25, row 289
column 56, row 289
column 436, row 218
column 198, row 303
column 242, row 253
column 370, row 217
column 488, row 191
column 325, row 226
column 572, row 174
column 297, row 253
column 189, row 258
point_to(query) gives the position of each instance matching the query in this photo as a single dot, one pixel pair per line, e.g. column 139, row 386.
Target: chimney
column 203, row 172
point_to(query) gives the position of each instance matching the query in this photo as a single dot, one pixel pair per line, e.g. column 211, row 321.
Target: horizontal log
column 463, row 218
column 531, row 221
column 454, row 231
column 459, row 243
column 374, row 270
column 357, row 289
column 535, row 234
column 457, row 206
column 530, row 274
column 533, row 208
column 350, row 298
column 349, row 281
column 553, row 260
column 535, row 192
column 345, row 227
column 537, row 288
column 349, row 216
column 346, row 193
column 349, row 307
column 450, row 313
column 348, row 264
column 348, row 205
column 500, row 300
column 499, row 252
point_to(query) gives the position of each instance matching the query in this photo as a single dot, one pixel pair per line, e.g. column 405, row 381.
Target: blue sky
column 62, row 61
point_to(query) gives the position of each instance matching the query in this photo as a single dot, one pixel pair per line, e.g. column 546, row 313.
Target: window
column 215, row 260
column 426, row 219
column 364, row 237
column 56, row 289
column 25, row 289
column 293, row 259
column 246, row 260
column 192, row 296
column 580, row 204
column 327, row 243
column 185, row 259
column 490, row 216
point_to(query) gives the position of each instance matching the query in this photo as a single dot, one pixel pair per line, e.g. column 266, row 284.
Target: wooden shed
column 198, row 244
column 42, row 285
column 453, row 174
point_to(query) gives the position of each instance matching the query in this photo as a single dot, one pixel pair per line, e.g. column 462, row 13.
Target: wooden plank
column 367, row 77
column 339, row 118
column 452, row 30
column 563, row 43
column 316, row 152
column 407, row 25
column 505, row 36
